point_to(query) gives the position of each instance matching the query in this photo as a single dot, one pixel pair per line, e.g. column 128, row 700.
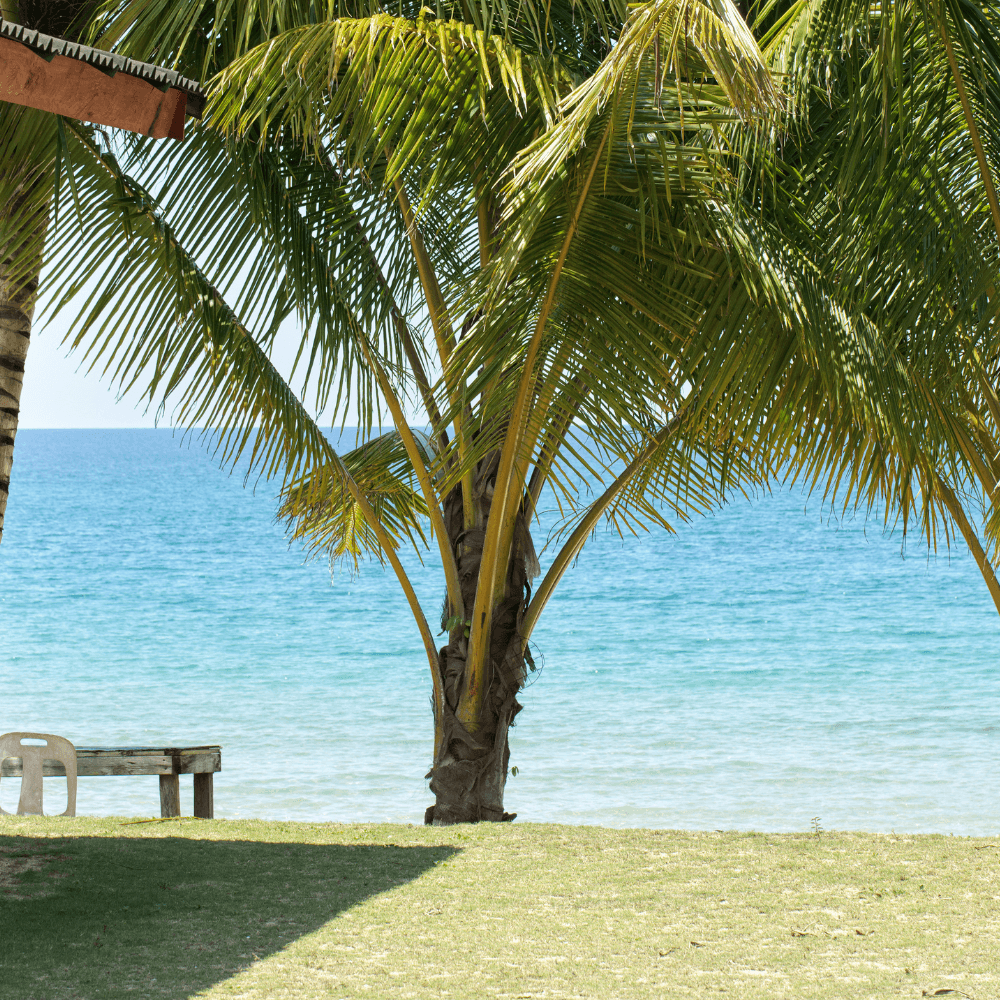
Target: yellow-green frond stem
column 422, row 473
column 501, row 514
column 957, row 513
column 430, row 648
column 444, row 332
column 231, row 382
column 515, row 503
column 571, row 548
column 970, row 122
column 444, row 335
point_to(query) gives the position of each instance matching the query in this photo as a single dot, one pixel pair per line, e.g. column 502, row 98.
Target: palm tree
column 586, row 242
column 619, row 266
column 359, row 252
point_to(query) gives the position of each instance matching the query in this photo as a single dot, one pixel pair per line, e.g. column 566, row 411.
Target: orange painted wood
column 78, row 90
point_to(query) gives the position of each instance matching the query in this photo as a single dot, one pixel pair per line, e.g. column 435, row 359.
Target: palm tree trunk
column 17, row 307
column 470, row 770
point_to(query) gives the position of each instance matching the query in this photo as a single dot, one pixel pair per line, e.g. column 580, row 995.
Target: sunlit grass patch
column 260, row 910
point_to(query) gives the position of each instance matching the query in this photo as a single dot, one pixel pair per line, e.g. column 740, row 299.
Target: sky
column 57, row 393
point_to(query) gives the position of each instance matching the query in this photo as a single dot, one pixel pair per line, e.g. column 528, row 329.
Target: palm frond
column 377, row 85
column 321, row 514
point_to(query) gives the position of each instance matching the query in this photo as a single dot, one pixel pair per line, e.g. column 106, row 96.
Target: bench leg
column 170, row 795
column 204, row 798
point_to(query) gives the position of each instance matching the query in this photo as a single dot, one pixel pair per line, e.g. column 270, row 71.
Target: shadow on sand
column 99, row 918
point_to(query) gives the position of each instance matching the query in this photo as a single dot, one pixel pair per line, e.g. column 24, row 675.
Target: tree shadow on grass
column 100, row 918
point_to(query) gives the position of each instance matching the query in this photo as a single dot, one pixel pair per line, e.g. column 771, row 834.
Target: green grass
column 99, row 910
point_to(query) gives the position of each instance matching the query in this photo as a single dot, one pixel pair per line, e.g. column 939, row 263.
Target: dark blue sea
column 762, row 667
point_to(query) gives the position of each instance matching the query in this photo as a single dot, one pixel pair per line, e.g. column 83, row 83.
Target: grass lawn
column 100, row 909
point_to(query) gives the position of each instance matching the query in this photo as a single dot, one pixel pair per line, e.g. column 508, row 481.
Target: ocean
column 765, row 668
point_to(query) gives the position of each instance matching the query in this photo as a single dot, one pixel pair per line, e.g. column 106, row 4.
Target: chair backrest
column 33, row 759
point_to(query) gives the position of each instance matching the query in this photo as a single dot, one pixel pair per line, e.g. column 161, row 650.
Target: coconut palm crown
column 653, row 248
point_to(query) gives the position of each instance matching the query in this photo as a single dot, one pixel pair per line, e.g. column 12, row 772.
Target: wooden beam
column 70, row 86
column 93, row 761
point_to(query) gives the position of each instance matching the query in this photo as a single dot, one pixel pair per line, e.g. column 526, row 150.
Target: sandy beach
column 104, row 908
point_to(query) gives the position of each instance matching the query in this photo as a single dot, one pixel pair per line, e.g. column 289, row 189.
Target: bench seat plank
column 92, row 761
column 87, row 767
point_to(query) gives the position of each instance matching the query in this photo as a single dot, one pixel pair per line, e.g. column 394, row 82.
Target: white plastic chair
column 33, row 759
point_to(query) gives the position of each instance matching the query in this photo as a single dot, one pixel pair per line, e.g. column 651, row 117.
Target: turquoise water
column 760, row 668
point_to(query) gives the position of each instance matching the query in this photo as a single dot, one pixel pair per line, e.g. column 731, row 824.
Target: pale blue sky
column 57, row 394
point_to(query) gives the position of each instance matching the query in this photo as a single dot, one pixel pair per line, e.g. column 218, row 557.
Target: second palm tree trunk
column 25, row 223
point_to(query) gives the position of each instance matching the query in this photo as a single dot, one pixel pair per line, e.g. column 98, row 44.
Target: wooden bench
column 168, row 762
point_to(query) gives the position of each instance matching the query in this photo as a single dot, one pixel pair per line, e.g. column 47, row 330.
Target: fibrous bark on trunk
column 25, row 222
column 470, row 770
